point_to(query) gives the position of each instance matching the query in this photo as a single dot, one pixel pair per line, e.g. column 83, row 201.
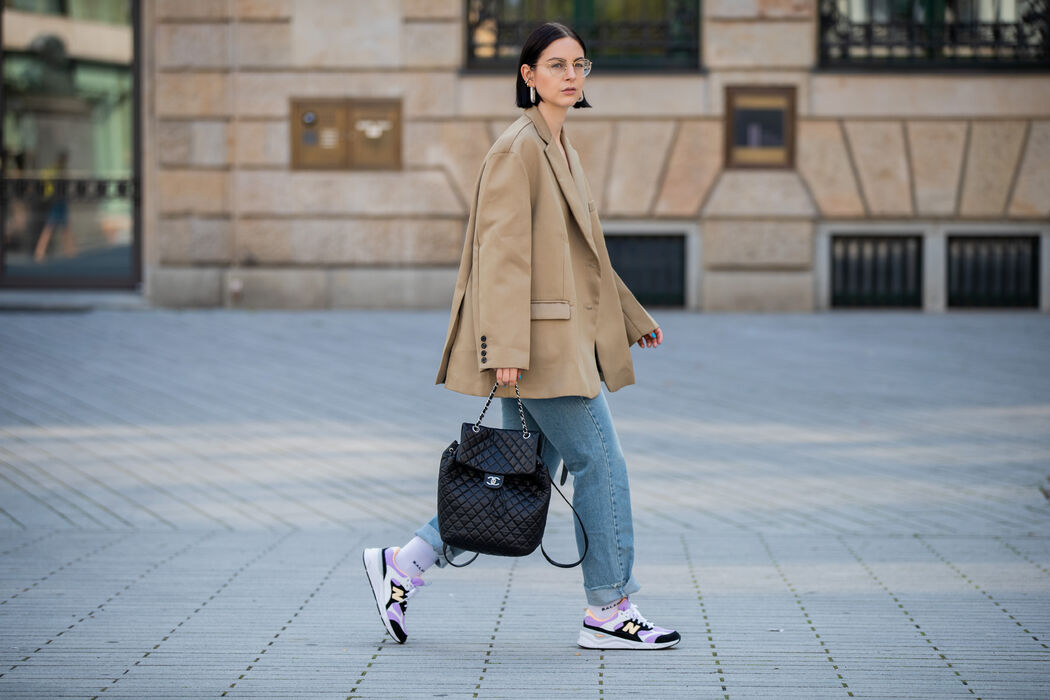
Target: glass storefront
column 70, row 154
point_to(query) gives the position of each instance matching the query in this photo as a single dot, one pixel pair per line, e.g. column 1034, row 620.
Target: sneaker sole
column 375, row 576
column 591, row 640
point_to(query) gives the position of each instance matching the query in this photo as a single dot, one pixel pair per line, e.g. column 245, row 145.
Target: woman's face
column 555, row 77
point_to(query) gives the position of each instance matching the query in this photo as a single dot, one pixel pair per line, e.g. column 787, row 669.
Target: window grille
column 876, row 270
column 624, row 35
column 935, row 34
column 993, row 271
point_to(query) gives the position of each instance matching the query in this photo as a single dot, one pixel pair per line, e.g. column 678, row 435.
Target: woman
column 538, row 305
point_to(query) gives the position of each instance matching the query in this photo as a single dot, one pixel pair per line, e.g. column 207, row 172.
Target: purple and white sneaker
column 625, row 628
column 391, row 587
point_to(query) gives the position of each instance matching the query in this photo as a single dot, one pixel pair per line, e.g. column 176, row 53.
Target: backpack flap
column 498, row 452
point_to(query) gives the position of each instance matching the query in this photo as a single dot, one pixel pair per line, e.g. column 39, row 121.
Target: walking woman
column 538, row 305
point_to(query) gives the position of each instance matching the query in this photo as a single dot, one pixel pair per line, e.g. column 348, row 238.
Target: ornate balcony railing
column 935, row 34
column 658, row 34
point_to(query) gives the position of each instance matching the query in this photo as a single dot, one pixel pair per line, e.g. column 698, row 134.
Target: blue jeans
column 580, row 431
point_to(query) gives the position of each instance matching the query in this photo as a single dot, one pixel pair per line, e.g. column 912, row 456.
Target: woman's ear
column 526, row 72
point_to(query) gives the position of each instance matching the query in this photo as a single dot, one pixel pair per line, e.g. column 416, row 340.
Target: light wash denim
column 580, row 431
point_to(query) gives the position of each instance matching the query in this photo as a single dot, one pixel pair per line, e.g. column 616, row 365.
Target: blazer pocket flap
column 550, row 309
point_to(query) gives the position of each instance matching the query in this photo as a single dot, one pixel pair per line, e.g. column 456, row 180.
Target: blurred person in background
column 16, row 228
column 57, row 210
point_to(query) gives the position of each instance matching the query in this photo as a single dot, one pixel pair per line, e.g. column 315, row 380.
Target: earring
column 532, row 94
column 580, row 98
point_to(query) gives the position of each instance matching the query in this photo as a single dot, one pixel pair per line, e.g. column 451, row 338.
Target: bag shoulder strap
column 586, row 544
column 444, row 551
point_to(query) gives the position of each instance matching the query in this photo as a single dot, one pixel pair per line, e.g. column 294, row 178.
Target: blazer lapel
column 571, row 182
column 581, row 192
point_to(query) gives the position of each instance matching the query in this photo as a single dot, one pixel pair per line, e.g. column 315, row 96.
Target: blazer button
column 484, row 345
column 484, row 352
column 483, row 339
column 484, row 360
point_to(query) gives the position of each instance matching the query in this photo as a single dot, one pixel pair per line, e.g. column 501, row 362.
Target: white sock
column 605, row 609
column 415, row 557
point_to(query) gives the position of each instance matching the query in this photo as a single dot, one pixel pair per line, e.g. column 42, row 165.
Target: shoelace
column 633, row 613
column 414, row 584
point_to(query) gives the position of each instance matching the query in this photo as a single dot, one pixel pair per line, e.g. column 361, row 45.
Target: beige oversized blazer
column 535, row 287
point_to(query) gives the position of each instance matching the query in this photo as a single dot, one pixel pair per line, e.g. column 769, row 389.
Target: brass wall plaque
column 345, row 134
column 375, row 134
column 318, row 133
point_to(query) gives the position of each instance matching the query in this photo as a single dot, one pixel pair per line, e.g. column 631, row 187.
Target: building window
column 760, row 127
column 651, row 265
column 993, row 271
column 923, row 34
column 873, row 270
column 623, row 35
column 108, row 11
column 70, row 206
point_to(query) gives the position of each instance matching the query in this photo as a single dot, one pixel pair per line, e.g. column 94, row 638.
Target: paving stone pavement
column 826, row 506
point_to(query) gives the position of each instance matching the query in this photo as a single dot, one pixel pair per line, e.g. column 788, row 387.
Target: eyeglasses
column 559, row 66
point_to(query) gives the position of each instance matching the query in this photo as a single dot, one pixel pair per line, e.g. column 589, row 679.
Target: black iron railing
column 993, row 271
column 67, row 188
column 876, row 270
column 935, row 34
column 665, row 36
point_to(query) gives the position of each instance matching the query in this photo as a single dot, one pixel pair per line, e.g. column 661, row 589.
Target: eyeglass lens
column 559, row 66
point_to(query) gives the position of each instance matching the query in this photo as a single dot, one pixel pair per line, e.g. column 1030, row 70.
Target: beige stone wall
column 228, row 223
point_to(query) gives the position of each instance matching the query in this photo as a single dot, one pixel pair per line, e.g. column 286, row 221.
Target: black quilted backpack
column 494, row 491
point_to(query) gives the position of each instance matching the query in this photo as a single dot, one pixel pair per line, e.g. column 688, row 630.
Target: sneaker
column 391, row 587
column 625, row 628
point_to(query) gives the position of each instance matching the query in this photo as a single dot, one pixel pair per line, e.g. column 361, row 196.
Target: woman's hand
column 651, row 340
column 505, row 376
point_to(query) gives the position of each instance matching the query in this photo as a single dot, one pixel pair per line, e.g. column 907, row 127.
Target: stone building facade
column 227, row 222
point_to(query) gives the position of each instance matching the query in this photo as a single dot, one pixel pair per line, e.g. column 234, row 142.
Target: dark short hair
column 542, row 37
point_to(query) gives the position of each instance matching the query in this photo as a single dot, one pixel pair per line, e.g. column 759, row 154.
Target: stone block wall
column 228, row 223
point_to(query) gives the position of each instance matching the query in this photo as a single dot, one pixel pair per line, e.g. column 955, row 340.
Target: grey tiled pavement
column 826, row 506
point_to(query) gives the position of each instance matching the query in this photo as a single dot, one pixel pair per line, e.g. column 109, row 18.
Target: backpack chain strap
column 521, row 411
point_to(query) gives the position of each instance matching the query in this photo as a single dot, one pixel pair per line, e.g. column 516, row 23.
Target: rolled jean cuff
column 428, row 533
column 605, row 595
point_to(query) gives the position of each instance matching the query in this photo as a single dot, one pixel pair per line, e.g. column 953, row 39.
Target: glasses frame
column 560, row 72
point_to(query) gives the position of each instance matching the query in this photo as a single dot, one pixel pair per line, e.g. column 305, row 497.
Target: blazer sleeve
column 636, row 320
column 504, row 238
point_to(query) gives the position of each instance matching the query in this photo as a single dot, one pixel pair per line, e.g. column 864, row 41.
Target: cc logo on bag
column 493, row 481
